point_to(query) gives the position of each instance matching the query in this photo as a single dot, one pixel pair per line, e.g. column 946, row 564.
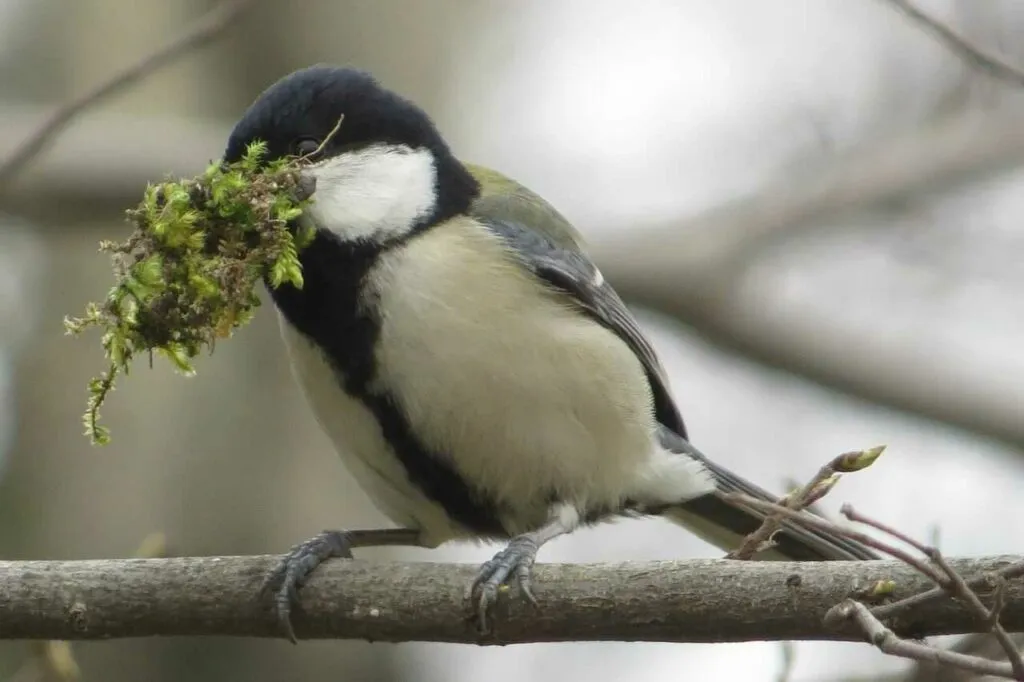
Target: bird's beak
column 306, row 185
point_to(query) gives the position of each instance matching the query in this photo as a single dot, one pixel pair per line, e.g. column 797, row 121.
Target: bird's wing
column 553, row 250
column 571, row 272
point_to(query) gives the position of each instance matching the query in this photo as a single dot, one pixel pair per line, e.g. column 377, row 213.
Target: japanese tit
column 476, row 373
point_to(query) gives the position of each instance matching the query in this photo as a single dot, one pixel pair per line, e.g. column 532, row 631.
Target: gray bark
column 684, row 601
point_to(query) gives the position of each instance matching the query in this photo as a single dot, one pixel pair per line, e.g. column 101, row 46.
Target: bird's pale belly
column 529, row 400
column 491, row 398
column 359, row 441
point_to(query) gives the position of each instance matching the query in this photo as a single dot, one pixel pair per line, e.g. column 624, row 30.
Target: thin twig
column 829, row 527
column 1014, row 570
column 954, row 584
column 949, row 581
column 961, row 590
column 889, row 643
column 815, row 489
column 760, row 539
column 977, row 644
column 790, row 483
column 975, row 57
column 855, row 516
column 206, row 29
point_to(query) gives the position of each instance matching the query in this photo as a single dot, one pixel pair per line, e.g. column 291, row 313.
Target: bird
column 473, row 369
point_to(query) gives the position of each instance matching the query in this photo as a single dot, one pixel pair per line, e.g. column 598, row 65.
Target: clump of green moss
column 187, row 274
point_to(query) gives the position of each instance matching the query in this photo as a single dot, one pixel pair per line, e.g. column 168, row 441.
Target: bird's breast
column 356, row 432
column 530, row 400
column 463, row 394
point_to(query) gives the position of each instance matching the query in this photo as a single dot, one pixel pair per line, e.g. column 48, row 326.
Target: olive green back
column 502, row 198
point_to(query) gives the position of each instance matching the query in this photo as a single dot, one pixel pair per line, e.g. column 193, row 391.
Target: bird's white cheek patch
column 377, row 192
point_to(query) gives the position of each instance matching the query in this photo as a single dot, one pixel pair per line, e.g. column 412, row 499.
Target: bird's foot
column 517, row 558
column 296, row 566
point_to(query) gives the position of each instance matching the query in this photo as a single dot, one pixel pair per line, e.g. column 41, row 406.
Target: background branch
column 692, row 271
column 924, row 160
column 959, row 45
column 687, row 601
column 202, row 32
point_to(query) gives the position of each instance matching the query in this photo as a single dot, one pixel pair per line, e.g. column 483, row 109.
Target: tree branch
column 209, row 27
column 960, row 46
column 927, row 159
column 687, row 601
column 937, row 569
column 803, row 497
column 888, row 642
column 690, row 270
column 832, row 354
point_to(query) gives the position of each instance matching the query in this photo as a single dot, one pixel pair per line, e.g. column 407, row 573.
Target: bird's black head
column 297, row 113
column 303, row 107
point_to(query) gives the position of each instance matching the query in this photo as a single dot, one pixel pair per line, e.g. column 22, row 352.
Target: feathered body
column 474, row 370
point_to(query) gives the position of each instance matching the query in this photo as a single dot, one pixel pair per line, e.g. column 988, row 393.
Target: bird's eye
column 305, row 146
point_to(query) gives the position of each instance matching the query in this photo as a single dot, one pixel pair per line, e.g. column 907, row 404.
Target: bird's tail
column 724, row 524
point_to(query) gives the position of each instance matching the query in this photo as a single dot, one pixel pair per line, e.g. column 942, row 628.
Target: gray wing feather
column 570, row 271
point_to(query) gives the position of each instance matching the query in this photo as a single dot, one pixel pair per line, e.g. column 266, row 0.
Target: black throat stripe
column 326, row 310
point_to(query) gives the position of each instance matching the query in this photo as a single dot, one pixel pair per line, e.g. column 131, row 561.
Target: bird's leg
column 302, row 559
column 518, row 558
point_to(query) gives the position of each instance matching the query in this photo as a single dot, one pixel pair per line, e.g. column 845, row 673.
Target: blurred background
column 813, row 205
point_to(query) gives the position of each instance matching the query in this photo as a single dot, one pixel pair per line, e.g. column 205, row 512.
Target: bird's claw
column 295, row 568
column 516, row 558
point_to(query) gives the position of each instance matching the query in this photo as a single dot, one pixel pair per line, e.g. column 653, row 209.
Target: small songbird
column 476, row 373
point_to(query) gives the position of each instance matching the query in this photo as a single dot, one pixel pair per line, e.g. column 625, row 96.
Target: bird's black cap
column 308, row 103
